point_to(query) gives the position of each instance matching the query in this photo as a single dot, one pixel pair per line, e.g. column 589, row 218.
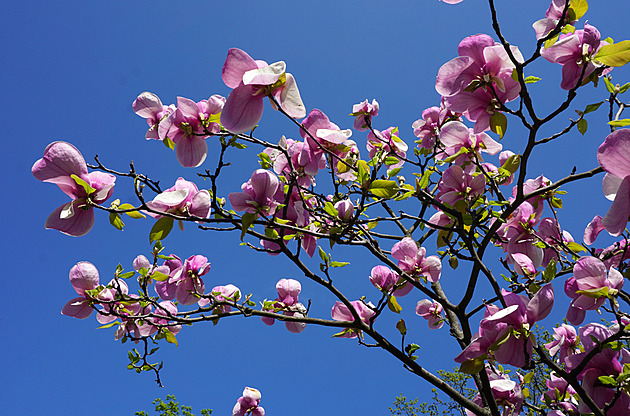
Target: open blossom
column 432, row 312
column 150, row 107
column 413, row 260
column 595, row 282
column 389, row 143
column 479, row 80
column 553, row 15
column 325, row 134
column 427, row 128
column 184, row 198
column 303, row 161
column 565, row 342
column 259, row 194
column 560, row 394
column 511, row 326
column 63, row 165
column 287, row 303
column 574, row 51
column 248, row 404
column 252, row 81
column 222, row 293
column 340, row 312
column 363, row 113
column 189, row 126
column 184, row 282
column 455, row 136
column 457, row 185
column 506, row 392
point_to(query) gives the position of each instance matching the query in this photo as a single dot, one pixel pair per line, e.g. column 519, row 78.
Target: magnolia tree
column 463, row 199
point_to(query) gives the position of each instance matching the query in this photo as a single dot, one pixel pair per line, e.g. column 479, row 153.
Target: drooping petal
column 610, row 185
column 616, row 218
column 449, row 80
column 243, row 109
column 79, row 224
column 78, row 308
column 61, row 160
column 290, row 99
column 147, row 105
column 191, row 151
column 540, row 305
column 614, row 154
column 200, row 205
column 593, row 229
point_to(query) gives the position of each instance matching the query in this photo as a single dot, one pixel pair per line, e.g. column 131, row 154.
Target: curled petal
column 77, row 225
column 243, row 109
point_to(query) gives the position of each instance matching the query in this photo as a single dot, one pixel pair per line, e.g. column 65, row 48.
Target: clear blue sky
column 71, row 71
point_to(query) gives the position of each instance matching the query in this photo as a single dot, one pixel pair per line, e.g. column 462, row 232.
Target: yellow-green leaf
column 616, row 55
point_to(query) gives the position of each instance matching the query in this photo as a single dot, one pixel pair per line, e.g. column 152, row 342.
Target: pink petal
column 593, row 229
column 264, row 76
column 614, row 154
column 200, row 205
column 191, row 151
column 236, row 64
column 61, row 160
column 83, row 276
column 616, row 218
column 449, row 80
column 290, row 99
column 147, row 105
column 78, row 308
column 242, row 110
column 79, row 224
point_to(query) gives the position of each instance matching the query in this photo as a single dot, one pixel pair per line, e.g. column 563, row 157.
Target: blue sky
column 71, row 72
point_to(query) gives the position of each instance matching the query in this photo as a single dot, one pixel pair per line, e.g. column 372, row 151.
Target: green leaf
column 472, row 366
column 322, row 255
column 512, row 163
column 342, row 333
column 133, row 214
column 391, row 160
column 615, row 55
column 114, row 219
column 528, row 378
column 549, row 43
column 329, row 208
column 550, row 271
column 363, row 174
column 498, row 124
column 159, row 276
column 576, row 247
column 86, row 186
column 109, row 325
column 169, row 143
column 598, row 292
column 607, row 380
column 127, row 275
column 620, row 123
column 401, row 327
column 161, row 229
column 453, row 262
column 624, row 88
column 577, row 9
column 338, row 263
column 393, row 305
column 247, row 220
column 582, row 125
column 384, row 188
column 393, row 172
column 531, row 80
column 609, row 85
column 592, row 107
column 265, row 160
column 170, row 337
column 424, row 181
column 411, row 348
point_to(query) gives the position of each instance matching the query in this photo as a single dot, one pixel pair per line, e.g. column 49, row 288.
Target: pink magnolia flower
column 385, row 280
column 506, row 393
column 565, row 342
column 84, row 277
column 387, row 142
column 457, row 185
column 504, row 333
column 259, row 194
column 287, row 303
column 549, row 231
column 574, row 51
column 614, row 156
column 252, row 81
column 303, row 161
column 479, row 80
column 164, row 311
column 189, row 126
column 432, row 312
column 184, row 198
column 427, row 128
column 248, row 404
column 184, row 282
column 325, row 133
column 590, row 286
column 455, row 136
column 345, row 209
column 150, row 107
column 560, row 394
column 363, row 113
column 553, row 15
column 222, row 293
column 413, row 260
column 63, row 165
column 340, row 312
